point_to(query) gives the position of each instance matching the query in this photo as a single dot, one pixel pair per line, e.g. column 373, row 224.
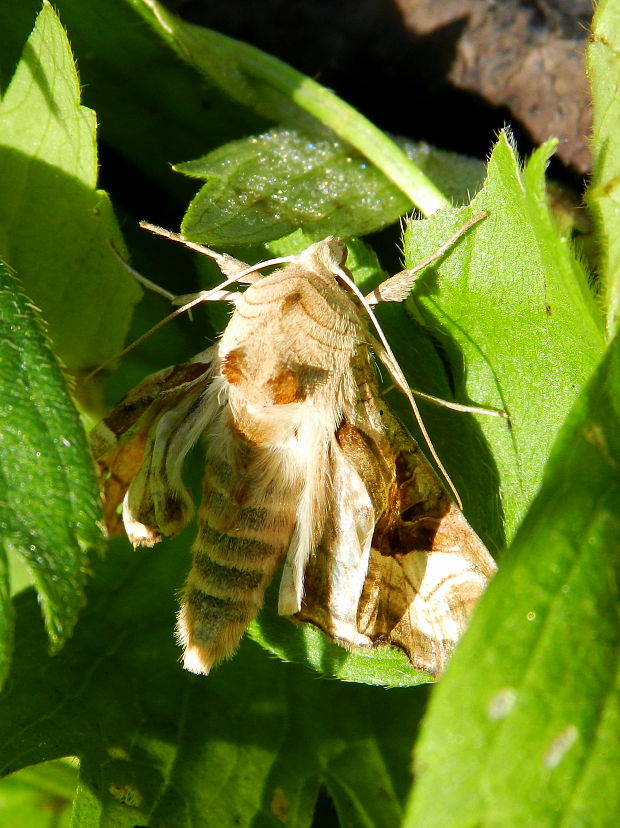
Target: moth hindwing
column 305, row 465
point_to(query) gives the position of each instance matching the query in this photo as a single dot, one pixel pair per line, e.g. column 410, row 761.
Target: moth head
column 327, row 255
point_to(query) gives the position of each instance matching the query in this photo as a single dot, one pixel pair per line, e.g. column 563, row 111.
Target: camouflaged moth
column 305, row 465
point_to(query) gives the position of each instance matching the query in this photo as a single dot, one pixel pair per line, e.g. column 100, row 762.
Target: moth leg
column 398, row 287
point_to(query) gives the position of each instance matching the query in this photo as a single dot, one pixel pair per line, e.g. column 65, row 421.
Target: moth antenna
column 398, row 287
column 140, row 278
column 203, row 296
column 145, row 281
column 231, row 296
column 227, row 264
column 391, row 363
column 144, row 336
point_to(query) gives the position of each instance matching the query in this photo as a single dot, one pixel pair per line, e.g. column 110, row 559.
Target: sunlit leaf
column 49, row 499
column 56, row 229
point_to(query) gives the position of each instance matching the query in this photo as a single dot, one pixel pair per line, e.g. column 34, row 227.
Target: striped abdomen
column 246, row 522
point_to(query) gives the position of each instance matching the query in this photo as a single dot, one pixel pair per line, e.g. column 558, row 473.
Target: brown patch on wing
column 120, row 424
column 233, row 366
column 416, row 504
column 286, row 387
column 421, row 599
column 285, row 382
column 371, row 465
column 138, row 400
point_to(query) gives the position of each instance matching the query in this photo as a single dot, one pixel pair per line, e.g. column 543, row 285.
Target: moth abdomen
column 210, row 626
column 227, row 580
column 224, row 592
column 243, row 535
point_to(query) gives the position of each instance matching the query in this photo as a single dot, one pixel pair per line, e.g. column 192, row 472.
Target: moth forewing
column 132, row 446
column 304, row 465
column 424, row 567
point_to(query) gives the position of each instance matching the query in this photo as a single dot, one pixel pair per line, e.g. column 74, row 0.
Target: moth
column 306, row 467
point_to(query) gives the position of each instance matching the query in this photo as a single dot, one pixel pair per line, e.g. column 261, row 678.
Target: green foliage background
column 523, row 728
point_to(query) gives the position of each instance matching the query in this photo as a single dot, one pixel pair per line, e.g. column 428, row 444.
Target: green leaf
column 160, row 746
column 266, row 186
column 305, row 644
column 49, row 499
column 56, row 229
column 603, row 60
column 534, row 736
column 519, row 329
column 152, row 109
column 6, row 613
column 38, row 797
column 279, row 92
